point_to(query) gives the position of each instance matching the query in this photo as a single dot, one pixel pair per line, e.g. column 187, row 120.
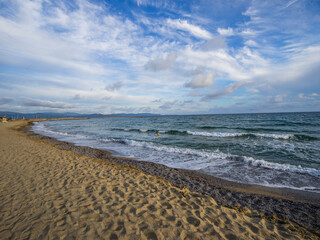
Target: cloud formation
column 76, row 97
column 76, row 50
column 6, row 100
column 311, row 96
column 168, row 105
column 115, row 86
column 160, row 64
column 225, row 31
column 195, row 30
column 44, row 103
column 201, row 80
column 231, row 88
column 214, row 44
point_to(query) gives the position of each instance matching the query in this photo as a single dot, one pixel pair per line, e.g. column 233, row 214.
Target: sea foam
column 217, row 154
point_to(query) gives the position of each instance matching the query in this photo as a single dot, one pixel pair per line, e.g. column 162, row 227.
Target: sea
column 271, row 149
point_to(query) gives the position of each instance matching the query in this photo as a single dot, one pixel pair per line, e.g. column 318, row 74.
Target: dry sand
column 49, row 193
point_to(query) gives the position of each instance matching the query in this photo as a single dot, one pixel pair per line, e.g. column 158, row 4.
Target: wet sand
column 55, row 190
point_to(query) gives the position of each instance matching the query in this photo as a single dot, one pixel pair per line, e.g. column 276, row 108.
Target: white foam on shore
column 227, row 134
column 215, row 155
column 281, row 166
column 220, row 155
column 39, row 127
column 213, row 134
column 215, row 161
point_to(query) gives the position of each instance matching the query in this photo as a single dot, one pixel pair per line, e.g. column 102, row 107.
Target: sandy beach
column 54, row 190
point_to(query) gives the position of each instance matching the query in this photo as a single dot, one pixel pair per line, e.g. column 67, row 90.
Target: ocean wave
column 257, row 153
column 134, row 130
column 305, row 137
column 251, row 129
column 273, row 135
column 39, row 127
column 170, row 132
column 227, row 134
column 42, row 129
column 279, row 166
column 220, row 155
column 210, row 127
column 215, row 134
column 186, row 151
column 222, row 134
column 294, row 124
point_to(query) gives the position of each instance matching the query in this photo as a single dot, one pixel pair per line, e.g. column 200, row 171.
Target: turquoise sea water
column 279, row 149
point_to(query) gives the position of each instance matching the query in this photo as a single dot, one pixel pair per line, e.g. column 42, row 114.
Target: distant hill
column 50, row 115
column 131, row 115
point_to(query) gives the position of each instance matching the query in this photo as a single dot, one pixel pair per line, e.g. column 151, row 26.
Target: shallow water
column 279, row 150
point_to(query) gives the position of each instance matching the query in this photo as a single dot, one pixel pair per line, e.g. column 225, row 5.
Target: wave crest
column 227, row 134
column 223, row 134
column 215, row 155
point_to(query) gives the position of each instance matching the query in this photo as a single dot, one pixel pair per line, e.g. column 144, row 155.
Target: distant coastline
column 67, row 115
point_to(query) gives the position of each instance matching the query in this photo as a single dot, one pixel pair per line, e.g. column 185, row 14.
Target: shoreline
column 298, row 206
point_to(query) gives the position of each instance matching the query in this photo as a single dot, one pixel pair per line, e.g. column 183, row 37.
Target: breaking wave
column 222, row 134
column 215, row 155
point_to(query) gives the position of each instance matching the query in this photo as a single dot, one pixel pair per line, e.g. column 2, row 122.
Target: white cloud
column 195, row 71
column 44, row 103
column 251, row 59
column 251, row 43
column 311, row 96
column 302, row 65
column 250, row 12
column 65, row 54
column 160, row 63
column 247, row 65
column 24, row 40
column 225, row 31
column 168, row 105
column 248, row 32
column 214, row 44
column 290, row 3
column 85, row 32
column 231, row 88
column 279, row 98
column 192, row 29
column 201, row 80
column 253, row 91
column 220, row 61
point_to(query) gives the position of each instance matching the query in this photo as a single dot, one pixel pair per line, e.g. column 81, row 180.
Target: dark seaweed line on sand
column 301, row 212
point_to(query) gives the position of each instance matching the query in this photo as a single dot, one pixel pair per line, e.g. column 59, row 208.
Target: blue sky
column 168, row 57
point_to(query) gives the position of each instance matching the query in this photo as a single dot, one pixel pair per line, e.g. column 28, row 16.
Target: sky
column 165, row 57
